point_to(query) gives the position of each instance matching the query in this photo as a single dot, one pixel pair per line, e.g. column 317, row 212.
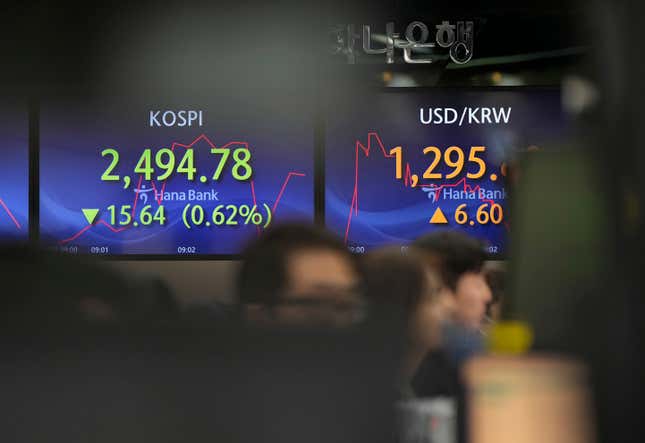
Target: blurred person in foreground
column 496, row 279
column 403, row 285
column 459, row 261
column 49, row 291
column 299, row 275
column 83, row 364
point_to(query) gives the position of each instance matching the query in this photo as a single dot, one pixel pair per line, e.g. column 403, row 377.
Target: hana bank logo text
column 415, row 43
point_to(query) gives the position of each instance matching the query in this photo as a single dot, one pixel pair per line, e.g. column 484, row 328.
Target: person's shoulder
column 436, row 360
column 436, row 376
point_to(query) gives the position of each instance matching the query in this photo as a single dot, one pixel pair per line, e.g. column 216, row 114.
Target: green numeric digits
column 125, row 213
column 168, row 165
column 241, row 157
column 197, row 215
column 165, row 162
column 144, row 165
column 107, row 175
column 147, row 218
column 222, row 161
column 241, row 170
column 187, row 165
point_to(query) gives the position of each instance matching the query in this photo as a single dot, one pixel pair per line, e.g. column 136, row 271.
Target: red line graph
column 373, row 137
column 88, row 227
column 277, row 200
column 255, row 203
column 10, row 214
column 190, row 146
column 467, row 188
column 353, row 208
column 284, row 185
column 159, row 195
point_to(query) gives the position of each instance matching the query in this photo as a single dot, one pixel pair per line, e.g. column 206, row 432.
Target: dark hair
column 496, row 279
column 392, row 278
column 44, row 289
column 263, row 274
column 452, row 254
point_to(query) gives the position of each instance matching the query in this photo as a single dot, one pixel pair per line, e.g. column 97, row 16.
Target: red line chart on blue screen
column 10, row 214
column 366, row 148
column 159, row 194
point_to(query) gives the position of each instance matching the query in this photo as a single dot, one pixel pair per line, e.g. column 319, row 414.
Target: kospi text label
column 176, row 118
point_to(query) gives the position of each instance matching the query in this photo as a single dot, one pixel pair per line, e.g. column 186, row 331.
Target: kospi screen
column 14, row 172
column 402, row 163
column 126, row 178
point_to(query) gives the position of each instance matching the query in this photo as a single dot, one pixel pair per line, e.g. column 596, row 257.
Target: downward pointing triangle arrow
column 90, row 215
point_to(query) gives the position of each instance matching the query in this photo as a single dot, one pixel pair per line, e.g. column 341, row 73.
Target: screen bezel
column 34, row 183
column 23, row 108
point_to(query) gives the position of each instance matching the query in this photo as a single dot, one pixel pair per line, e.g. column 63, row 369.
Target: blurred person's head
column 45, row 290
column 403, row 282
column 299, row 275
column 496, row 279
column 459, row 259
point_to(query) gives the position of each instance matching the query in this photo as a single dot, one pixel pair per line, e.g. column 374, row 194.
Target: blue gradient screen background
column 72, row 136
column 388, row 212
column 14, row 172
